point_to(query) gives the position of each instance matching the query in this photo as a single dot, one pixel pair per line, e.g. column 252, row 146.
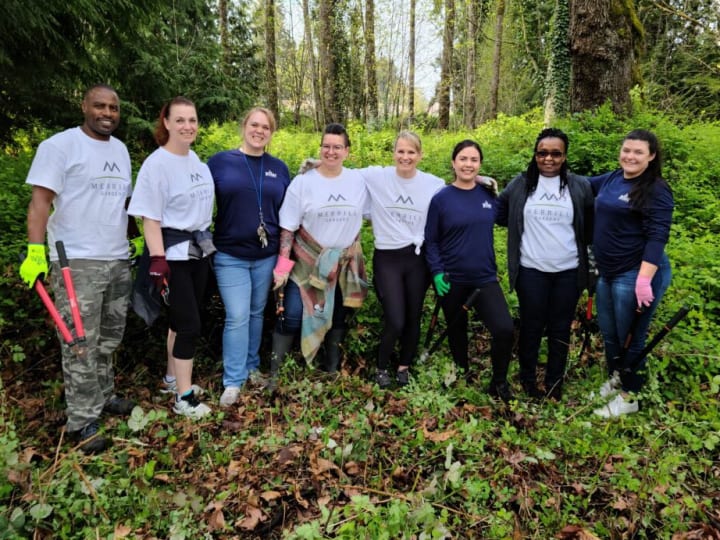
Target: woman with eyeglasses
column 320, row 267
column 548, row 212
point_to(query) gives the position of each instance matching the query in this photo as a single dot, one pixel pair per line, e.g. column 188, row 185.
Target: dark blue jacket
column 459, row 235
column 625, row 236
column 238, row 180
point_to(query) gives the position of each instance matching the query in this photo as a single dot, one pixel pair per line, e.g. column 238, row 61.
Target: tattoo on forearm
column 286, row 242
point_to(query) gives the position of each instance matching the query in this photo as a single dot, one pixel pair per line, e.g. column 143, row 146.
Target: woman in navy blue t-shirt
column 461, row 257
column 633, row 213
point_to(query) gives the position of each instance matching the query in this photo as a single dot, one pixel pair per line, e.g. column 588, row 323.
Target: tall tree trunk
column 411, row 65
column 602, row 43
column 318, row 109
column 333, row 51
column 497, row 57
column 270, row 55
column 446, row 67
column 223, row 23
column 557, row 79
column 470, row 104
column 370, row 64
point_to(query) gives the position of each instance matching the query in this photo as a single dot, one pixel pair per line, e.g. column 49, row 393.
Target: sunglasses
column 555, row 154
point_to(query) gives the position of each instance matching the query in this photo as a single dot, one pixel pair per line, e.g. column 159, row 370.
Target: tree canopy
column 353, row 60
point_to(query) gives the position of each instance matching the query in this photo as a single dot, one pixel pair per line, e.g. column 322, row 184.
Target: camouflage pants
column 103, row 292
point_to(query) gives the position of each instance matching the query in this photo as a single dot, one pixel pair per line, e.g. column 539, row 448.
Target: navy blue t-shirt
column 239, row 179
column 459, row 235
column 625, row 236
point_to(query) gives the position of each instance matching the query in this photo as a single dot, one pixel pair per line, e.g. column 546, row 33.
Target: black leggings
column 401, row 280
column 491, row 308
column 187, row 290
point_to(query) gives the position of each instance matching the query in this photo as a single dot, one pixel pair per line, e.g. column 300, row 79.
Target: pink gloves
column 643, row 291
column 281, row 272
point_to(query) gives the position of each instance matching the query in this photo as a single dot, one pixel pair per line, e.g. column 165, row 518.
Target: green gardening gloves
column 35, row 265
column 136, row 246
column 442, row 285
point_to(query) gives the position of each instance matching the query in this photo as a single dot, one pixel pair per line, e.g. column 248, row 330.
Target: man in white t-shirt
column 81, row 180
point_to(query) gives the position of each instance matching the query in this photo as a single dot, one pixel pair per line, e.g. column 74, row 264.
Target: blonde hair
column 267, row 112
column 410, row 137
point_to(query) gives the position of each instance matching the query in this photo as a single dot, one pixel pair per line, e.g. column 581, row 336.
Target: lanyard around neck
column 257, row 184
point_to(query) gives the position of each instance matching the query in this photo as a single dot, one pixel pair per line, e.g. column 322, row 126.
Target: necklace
column 261, row 230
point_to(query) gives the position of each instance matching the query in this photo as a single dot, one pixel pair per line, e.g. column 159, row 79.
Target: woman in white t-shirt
column 399, row 200
column 320, row 264
column 174, row 195
column 548, row 212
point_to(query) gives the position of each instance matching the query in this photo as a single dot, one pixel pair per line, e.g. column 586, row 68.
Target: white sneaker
column 191, row 407
column 617, row 407
column 171, row 388
column 610, row 387
column 229, row 396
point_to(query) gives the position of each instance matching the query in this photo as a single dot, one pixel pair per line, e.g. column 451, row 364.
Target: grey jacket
column 511, row 204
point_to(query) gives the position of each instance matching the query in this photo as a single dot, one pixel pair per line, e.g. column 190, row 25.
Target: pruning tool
column 592, row 284
column 76, row 341
column 280, row 304
column 431, row 329
column 679, row 315
column 467, row 306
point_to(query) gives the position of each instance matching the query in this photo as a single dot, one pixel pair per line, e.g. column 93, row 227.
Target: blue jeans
column 244, row 287
column 616, row 307
column 547, row 306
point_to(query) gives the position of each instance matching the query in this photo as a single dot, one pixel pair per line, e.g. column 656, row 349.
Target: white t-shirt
column 399, row 206
column 548, row 239
column 92, row 180
column 330, row 209
column 177, row 191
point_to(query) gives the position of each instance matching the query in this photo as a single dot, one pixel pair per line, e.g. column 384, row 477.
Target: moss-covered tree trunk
column 604, row 35
column 271, row 79
column 411, row 64
column 497, row 59
column 446, row 67
column 372, row 88
column 557, row 77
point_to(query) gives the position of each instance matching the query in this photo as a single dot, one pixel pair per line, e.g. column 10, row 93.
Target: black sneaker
column 501, row 390
column 119, row 406
column 531, row 389
column 382, row 378
column 90, row 441
column 403, row 377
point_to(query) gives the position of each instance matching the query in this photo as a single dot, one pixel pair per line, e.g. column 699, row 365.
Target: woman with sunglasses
column 548, row 212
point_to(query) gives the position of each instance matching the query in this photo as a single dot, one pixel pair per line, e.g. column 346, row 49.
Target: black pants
column 547, row 305
column 187, row 288
column 489, row 307
column 401, row 279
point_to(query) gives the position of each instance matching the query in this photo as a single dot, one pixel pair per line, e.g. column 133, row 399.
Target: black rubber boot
column 333, row 353
column 281, row 345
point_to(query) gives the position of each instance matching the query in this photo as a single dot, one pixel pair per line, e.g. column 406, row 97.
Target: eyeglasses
column 555, row 154
column 334, row 147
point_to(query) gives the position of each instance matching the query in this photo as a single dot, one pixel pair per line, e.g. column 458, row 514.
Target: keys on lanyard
column 262, row 235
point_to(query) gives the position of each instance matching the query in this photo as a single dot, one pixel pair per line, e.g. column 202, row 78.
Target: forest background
column 326, row 458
